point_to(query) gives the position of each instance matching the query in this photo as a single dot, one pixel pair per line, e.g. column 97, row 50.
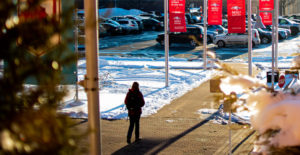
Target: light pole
column 91, row 80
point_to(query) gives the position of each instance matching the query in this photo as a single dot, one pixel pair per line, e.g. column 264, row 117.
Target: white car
column 236, row 39
column 129, row 25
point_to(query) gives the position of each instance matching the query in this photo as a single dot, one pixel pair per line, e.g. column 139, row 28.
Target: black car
column 282, row 32
column 152, row 24
column 286, row 23
column 189, row 18
column 193, row 36
column 265, row 36
column 112, row 29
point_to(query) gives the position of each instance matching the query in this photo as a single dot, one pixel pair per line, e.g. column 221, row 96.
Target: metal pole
column 276, row 32
column 229, row 124
column 205, row 35
column 166, row 14
column 76, row 51
column 249, row 39
column 92, row 88
column 273, row 48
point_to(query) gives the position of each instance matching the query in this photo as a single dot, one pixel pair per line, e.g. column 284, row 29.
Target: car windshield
column 123, row 22
column 113, row 22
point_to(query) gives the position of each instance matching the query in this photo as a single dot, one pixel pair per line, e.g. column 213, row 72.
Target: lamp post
column 91, row 79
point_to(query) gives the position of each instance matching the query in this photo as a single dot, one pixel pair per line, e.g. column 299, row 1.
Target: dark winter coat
column 134, row 102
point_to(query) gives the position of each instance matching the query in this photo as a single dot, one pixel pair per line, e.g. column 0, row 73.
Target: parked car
column 286, row 23
column 189, row 18
column 295, row 18
column 216, row 28
column 138, row 21
column 156, row 13
column 160, row 18
column 210, row 34
column 193, row 36
column 147, row 16
column 196, row 17
column 112, row 22
column 236, row 39
column 112, row 29
column 225, row 23
column 265, row 36
column 128, row 25
column 153, row 24
column 282, row 32
column 102, row 31
column 80, row 14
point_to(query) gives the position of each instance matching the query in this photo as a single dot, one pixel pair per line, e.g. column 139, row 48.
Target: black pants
column 134, row 121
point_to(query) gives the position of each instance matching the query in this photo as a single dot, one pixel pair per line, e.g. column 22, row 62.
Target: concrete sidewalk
column 176, row 129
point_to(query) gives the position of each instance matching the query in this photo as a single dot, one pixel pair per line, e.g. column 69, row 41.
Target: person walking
column 134, row 102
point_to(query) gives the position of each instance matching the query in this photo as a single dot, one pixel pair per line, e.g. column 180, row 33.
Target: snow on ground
column 117, row 75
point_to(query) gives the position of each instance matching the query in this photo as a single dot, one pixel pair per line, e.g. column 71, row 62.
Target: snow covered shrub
column 274, row 114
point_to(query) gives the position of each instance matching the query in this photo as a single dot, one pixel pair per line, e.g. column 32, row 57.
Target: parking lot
column 145, row 45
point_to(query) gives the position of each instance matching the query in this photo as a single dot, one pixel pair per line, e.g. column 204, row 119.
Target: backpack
column 133, row 101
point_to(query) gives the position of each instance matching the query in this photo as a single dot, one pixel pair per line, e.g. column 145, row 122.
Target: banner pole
column 229, row 125
column 276, row 32
column 205, row 36
column 249, row 39
column 76, row 51
column 91, row 79
column 166, row 26
column 273, row 47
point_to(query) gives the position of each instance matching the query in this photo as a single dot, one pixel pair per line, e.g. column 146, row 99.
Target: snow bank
column 110, row 12
column 283, row 113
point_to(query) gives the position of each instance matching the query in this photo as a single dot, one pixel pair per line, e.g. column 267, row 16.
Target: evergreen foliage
column 30, row 123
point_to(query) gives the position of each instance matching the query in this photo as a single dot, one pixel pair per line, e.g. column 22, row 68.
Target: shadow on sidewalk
column 142, row 147
column 147, row 146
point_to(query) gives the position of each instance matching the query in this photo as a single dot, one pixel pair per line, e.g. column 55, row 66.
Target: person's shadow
column 138, row 148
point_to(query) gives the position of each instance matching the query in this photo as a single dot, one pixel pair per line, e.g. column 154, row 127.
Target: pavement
column 177, row 128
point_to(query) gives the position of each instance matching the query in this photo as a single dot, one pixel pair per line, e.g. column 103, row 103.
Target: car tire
column 162, row 42
column 221, row 44
column 294, row 31
column 209, row 39
column 265, row 40
column 253, row 44
column 193, row 43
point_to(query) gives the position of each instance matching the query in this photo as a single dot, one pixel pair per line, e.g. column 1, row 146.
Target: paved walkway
column 176, row 129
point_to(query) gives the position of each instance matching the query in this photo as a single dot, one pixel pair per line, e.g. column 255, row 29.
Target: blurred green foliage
column 30, row 123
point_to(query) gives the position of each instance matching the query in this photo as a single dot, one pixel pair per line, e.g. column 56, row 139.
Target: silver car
column 236, row 39
column 129, row 25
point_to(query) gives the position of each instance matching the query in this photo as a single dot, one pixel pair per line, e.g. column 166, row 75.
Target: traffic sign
column 281, row 81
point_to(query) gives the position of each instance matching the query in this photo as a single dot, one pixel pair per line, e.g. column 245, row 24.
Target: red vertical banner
column 177, row 22
column 177, row 6
column 236, row 16
column 177, row 16
column 266, row 5
column 266, row 18
column 214, row 12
